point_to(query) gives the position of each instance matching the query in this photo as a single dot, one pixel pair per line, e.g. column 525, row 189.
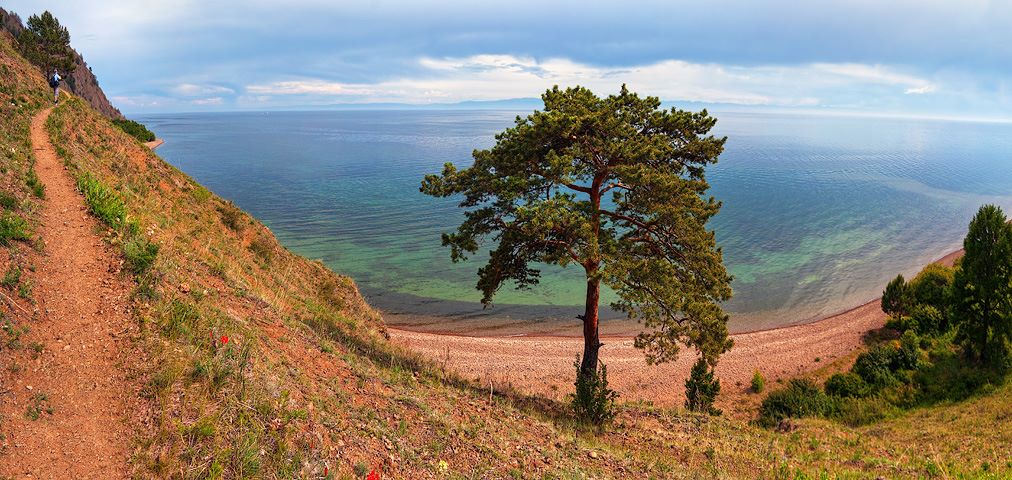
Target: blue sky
column 923, row 57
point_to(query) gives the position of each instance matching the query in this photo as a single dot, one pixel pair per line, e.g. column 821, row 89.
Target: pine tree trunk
column 591, row 336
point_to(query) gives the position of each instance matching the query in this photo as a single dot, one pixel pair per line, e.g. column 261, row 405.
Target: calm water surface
column 819, row 212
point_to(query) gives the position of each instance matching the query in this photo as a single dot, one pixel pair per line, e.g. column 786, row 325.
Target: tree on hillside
column 982, row 289
column 894, row 298
column 46, row 43
column 615, row 186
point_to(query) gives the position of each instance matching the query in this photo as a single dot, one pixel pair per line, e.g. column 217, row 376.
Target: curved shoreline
column 543, row 364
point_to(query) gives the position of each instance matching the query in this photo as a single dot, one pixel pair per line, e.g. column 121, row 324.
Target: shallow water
column 819, row 212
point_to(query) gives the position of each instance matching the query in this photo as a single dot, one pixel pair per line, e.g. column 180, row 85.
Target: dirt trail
column 83, row 322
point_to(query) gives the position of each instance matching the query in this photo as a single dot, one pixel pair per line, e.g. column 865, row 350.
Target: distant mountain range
column 81, row 82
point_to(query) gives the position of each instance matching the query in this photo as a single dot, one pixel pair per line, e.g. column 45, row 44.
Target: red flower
column 224, row 339
column 325, row 471
column 373, row 476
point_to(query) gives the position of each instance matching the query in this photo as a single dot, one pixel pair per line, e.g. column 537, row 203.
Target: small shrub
column 758, row 382
column 262, row 247
column 801, row 398
column 701, row 388
column 232, row 217
column 36, row 185
column 140, row 254
column 593, row 402
column 13, row 227
column 8, row 201
column 39, row 405
column 12, row 278
column 847, row 384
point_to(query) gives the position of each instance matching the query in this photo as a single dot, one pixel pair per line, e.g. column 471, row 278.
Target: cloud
column 209, row 101
column 495, row 77
column 193, row 90
column 920, row 90
column 303, row 87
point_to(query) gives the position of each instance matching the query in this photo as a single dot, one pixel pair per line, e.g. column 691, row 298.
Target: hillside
column 82, row 82
column 247, row 361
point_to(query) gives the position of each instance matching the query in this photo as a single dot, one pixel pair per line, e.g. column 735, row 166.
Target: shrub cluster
column 135, row 129
column 955, row 327
column 801, row 398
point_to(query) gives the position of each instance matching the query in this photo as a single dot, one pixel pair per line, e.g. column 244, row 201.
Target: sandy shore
column 544, row 365
column 154, row 143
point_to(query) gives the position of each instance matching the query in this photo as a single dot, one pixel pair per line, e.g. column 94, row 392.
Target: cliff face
column 81, row 82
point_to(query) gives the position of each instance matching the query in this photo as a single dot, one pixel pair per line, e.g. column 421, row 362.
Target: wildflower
column 373, row 476
column 442, row 466
column 224, row 339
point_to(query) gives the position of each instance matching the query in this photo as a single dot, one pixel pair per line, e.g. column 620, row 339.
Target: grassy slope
column 307, row 381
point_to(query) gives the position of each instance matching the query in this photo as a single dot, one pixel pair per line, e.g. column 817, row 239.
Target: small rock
column 592, row 454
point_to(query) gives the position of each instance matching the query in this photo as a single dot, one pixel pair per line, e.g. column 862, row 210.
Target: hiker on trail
column 54, row 81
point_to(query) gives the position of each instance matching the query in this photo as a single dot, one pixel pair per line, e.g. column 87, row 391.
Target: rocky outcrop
column 81, row 82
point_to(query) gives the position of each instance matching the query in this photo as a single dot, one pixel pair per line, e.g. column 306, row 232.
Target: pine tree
column 46, row 43
column 616, row 186
column 982, row 289
column 702, row 388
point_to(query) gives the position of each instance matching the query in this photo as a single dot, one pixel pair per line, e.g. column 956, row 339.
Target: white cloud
column 494, row 77
column 920, row 90
column 194, row 90
column 209, row 101
column 303, row 87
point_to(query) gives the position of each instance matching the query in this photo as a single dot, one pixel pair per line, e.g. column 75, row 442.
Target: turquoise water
column 819, row 212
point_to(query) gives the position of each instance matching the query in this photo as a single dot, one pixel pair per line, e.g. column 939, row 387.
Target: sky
column 896, row 57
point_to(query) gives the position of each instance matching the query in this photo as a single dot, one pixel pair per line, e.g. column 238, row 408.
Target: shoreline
column 948, row 260
column 543, row 364
column 154, row 143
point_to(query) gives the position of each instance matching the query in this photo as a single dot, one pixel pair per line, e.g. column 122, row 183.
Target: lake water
column 819, row 211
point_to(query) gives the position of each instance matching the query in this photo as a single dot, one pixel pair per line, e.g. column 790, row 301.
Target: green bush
column 758, row 382
column 800, row 398
column 135, row 129
column 847, row 384
column 140, row 253
column 593, row 402
column 931, row 286
column 701, row 389
column 875, row 366
column 927, row 319
column 36, row 185
column 908, row 355
column 8, row 201
column 13, row 227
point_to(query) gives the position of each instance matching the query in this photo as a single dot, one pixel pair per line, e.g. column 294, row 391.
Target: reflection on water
column 819, row 212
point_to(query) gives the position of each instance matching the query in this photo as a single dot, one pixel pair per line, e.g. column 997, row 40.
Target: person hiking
column 54, row 82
